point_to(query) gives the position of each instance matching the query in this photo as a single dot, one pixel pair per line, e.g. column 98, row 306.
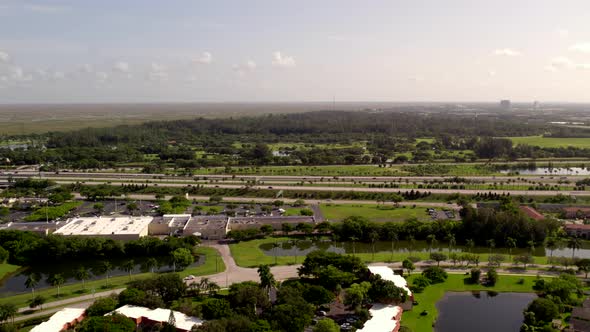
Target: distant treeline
column 245, row 140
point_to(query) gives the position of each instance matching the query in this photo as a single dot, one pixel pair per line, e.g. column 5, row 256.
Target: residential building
column 531, row 212
column 578, row 230
column 145, row 317
column 63, row 320
column 575, row 212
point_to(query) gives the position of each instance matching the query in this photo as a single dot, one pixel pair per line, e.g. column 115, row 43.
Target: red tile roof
column 532, row 213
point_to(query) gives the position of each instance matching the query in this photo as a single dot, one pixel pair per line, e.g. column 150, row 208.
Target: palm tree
column 105, row 268
column 431, row 239
column 82, row 274
column 353, row 239
column 32, row 282
column 7, row 310
column 275, row 245
column 452, row 241
column 491, row 244
column 511, row 244
column 574, row 243
column 56, row 280
column 470, row 244
column 551, row 244
column 294, row 244
column 267, row 279
column 412, row 241
column 128, row 266
column 374, row 236
column 531, row 246
column 394, row 238
column 151, row 264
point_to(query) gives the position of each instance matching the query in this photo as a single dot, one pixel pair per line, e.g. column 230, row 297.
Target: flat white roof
column 382, row 319
column 59, row 319
column 159, row 315
column 386, row 273
column 104, row 225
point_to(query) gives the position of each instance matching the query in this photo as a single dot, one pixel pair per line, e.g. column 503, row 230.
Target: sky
column 82, row 51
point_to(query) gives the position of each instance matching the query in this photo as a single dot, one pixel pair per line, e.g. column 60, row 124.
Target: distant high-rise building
column 505, row 104
column 535, row 105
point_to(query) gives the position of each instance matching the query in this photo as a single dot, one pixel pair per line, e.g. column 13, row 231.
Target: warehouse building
column 117, row 228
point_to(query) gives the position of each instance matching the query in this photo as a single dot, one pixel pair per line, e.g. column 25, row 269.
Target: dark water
column 481, row 311
column 303, row 247
column 15, row 284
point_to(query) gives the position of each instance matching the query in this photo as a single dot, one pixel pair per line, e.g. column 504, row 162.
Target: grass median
column 249, row 254
column 77, row 289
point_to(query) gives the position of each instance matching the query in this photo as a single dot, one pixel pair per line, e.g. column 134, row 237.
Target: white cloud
column 19, row 75
column 205, row 58
column 242, row 69
column 122, row 67
column 563, row 33
column 86, row 68
column 507, row 52
column 491, row 73
column 101, row 76
column 157, row 72
column 562, row 62
column 4, row 57
column 280, row 60
column 46, row 8
column 59, row 75
column 583, row 47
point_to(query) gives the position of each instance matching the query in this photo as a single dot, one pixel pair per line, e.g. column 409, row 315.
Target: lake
column 304, row 247
column 481, row 311
column 15, row 283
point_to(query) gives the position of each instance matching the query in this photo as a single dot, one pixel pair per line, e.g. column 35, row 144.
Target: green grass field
column 249, row 254
column 552, row 142
column 76, row 289
column 432, row 294
column 6, row 268
column 373, row 212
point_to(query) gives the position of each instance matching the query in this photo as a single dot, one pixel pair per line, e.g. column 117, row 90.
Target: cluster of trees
column 29, row 249
column 556, row 296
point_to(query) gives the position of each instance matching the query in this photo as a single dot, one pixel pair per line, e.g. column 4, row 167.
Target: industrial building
column 384, row 318
column 117, row 228
column 41, row 228
column 207, row 227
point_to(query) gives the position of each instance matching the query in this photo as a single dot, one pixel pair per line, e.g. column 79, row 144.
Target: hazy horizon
column 262, row 51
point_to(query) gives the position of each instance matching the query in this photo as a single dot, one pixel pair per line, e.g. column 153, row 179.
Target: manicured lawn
column 76, row 289
column 249, row 254
column 6, row 268
column 432, row 294
column 551, row 142
column 373, row 212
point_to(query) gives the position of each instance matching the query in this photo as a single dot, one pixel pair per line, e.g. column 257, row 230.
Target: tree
column 286, row 228
column 452, row 241
column 128, row 266
column 551, row 243
column 247, row 297
column 150, row 264
column 275, row 246
column 115, row 322
column 131, row 207
column 438, row 257
column 357, row 294
column 317, row 295
column 213, row 308
column 511, row 244
column 474, row 276
column 373, row 236
column 98, row 207
column 435, row 274
column 3, row 255
column 419, row 283
column 56, row 280
column 32, row 282
column 524, row 260
column 326, row 325
column 431, row 240
column 267, row 280
column 213, row 200
column 181, row 258
column 491, row 244
column 574, row 243
column 102, row 306
column 306, row 212
column 394, row 237
column 37, row 301
column 105, row 267
column 385, row 291
column 496, row 259
column 544, row 310
column 408, row 265
column 470, row 244
column 266, row 229
column 82, row 274
column 584, row 266
column 304, row 228
column 492, row 277
column 7, row 311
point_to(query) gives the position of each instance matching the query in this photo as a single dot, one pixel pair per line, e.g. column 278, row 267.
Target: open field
column 552, row 142
column 249, row 254
column 379, row 213
column 432, row 294
column 76, row 289
column 6, row 268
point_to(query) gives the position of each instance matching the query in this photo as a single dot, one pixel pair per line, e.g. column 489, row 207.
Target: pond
column 481, row 311
column 15, row 283
column 550, row 171
column 304, row 247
